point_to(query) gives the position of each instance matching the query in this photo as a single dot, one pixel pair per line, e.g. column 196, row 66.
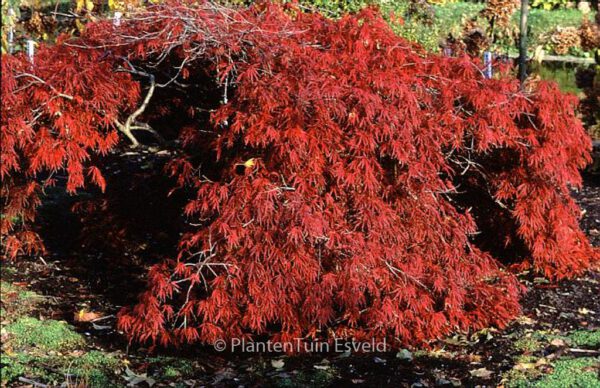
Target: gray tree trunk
column 523, row 41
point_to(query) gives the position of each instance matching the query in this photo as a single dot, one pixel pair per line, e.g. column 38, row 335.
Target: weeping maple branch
column 39, row 80
column 131, row 124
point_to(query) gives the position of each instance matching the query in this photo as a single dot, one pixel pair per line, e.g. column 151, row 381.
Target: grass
column 52, row 352
column 533, row 371
column 530, row 343
column 538, row 340
column 585, row 338
column 563, row 74
column 572, row 373
column 46, row 336
column 45, row 350
column 171, row 367
column 449, row 19
column 16, row 301
column 96, row 368
column 318, row 378
column 91, row 369
column 540, row 20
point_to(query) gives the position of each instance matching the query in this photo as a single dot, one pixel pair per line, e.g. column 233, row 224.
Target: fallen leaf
column 524, row 320
column 134, row 379
column 541, row 361
column 481, row 373
column 474, row 358
column 405, row 355
column 524, row 366
column 538, row 54
column 458, row 340
column 379, row 360
column 277, row 364
column 346, row 354
column 557, row 342
column 86, row 316
column 224, row 374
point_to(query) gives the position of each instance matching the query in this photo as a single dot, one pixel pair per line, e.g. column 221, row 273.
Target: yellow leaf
column 250, row 163
column 524, row 366
column 79, row 5
column 538, row 55
column 80, row 26
column 89, row 5
column 86, row 316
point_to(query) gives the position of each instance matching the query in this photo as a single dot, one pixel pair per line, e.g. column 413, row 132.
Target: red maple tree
column 351, row 185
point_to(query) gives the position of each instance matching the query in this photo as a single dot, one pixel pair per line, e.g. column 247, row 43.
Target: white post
column 487, row 61
column 11, row 29
column 30, row 50
column 117, row 18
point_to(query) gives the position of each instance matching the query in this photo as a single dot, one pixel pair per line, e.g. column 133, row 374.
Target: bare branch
column 129, row 126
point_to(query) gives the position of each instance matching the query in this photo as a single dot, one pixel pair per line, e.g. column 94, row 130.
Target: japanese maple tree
column 349, row 183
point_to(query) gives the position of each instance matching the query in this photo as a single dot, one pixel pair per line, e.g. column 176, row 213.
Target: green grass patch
column 12, row 366
column 579, row 372
column 585, row 338
column 92, row 369
column 563, row 74
column 318, row 378
column 95, row 368
column 539, row 340
column 532, row 370
column 530, row 343
column 572, row 373
column 51, row 352
column 170, row 367
column 48, row 335
column 48, row 351
column 449, row 19
column 15, row 301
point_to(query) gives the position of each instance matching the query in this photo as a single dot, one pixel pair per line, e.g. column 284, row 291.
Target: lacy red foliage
column 332, row 209
column 56, row 112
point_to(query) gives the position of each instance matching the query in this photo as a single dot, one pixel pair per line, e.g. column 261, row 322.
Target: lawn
column 449, row 19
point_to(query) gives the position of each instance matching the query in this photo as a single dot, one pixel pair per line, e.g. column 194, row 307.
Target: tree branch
column 129, row 126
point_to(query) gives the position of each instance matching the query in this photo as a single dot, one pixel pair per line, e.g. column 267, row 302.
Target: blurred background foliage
column 552, row 26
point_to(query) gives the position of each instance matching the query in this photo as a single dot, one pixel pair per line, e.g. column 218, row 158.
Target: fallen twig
column 587, row 351
column 34, row 383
